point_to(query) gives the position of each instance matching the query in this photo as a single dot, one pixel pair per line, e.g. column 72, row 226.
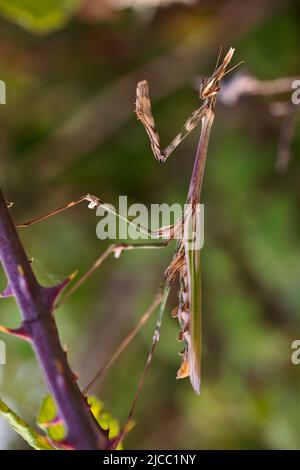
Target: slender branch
column 36, row 305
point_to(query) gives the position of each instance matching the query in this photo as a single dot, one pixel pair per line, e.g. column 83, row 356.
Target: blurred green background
column 71, row 68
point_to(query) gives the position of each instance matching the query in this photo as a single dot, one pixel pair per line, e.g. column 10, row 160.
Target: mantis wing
column 193, row 266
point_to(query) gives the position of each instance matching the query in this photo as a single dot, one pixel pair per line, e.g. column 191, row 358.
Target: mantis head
column 211, row 86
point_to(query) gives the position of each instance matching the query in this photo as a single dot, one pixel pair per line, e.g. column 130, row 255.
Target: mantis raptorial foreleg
column 144, row 114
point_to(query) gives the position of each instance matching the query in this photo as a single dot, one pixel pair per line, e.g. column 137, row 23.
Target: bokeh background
column 68, row 128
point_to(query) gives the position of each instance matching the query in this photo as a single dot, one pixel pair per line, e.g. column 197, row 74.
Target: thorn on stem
column 19, row 332
column 7, row 292
column 50, row 294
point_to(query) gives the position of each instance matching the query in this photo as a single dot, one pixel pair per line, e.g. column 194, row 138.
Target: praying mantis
column 185, row 265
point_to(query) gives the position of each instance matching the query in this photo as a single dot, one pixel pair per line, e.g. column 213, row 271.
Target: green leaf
column 103, row 417
column 34, row 439
column 46, row 420
column 39, row 16
column 106, row 420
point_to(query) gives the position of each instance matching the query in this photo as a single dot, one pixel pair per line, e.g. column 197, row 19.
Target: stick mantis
column 185, row 265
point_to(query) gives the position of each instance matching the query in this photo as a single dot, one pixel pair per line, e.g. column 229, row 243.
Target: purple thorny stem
column 36, row 304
